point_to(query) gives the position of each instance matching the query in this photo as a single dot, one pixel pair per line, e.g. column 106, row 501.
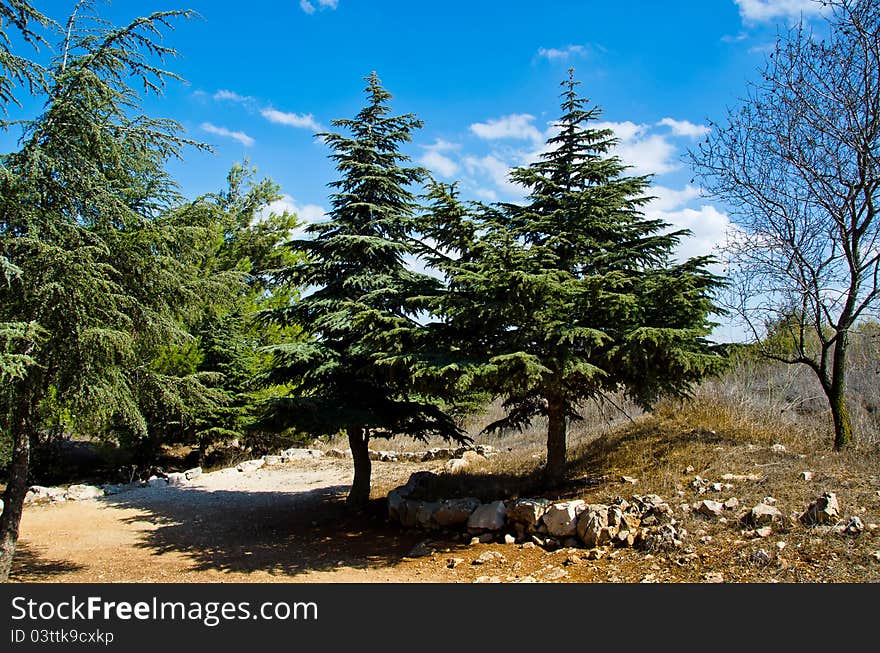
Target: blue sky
column 263, row 76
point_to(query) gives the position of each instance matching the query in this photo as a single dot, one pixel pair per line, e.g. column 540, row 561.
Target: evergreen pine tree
column 359, row 312
column 17, row 340
column 572, row 295
column 100, row 273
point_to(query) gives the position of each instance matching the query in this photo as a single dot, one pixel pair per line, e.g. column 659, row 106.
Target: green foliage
column 99, row 271
column 573, row 294
column 360, row 314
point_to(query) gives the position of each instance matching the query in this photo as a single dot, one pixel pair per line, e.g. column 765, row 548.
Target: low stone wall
column 643, row 521
column 42, row 494
column 646, row 521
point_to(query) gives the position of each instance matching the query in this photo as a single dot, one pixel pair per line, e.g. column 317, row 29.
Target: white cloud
column 756, row 11
column 496, row 170
column 625, row 131
column 231, row 96
column 307, row 213
column 646, row 154
column 708, row 225
column 436, row 161
column 684, row 128
column 310, row 8
column 515, row 126
column 669, row 199
column 554, row 54
column 241, row 137
column 302, row 120
column 439, row 163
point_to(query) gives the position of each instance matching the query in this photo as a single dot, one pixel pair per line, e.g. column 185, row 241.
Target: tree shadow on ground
column 281, row 533
column 593, row 466
column 29, row 566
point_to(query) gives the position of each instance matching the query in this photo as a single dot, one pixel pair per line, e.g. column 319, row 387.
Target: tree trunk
column 13, row 498
column 358, row 441
column 836, row 393
column 556, row 432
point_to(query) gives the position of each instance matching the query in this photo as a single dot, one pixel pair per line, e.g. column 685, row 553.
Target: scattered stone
column 272, row 460
column 193, row 473
column 596, row 554
column 764, row 515
column 83, row 492
column 709, row 508
column 249, row 465
column 396, row 500
column 764, row 531
column 425, row 514
column 509, row 539
column 452, row 563
column 689, row 469
column 593, row 525
column 781, row 545
column 714, row 577
column 527, row 579
column 731, row 504
column 625, row 538
column 629, row 479
column 488, row 517
column 556, row 574
column 176, row 479
column 296, row 453
column 420, row 550
column 527, row 512
column 807, row 476
column 474, row 541
column 665, row 537
column 854, row 526
column 408, row 513
column 473, row 457
column 740, row 477
column 338, row 453
column 770, row 501
column 39, row 493
column 778, row 448
column 487, row 557
column 455, row 512
column 456, row 466
column 760, row 557
column 876, row 556
column 573, row 559
column 487, row 579
column 705, row 539
column 824, row 510
column 527, row 545
column 561, row 518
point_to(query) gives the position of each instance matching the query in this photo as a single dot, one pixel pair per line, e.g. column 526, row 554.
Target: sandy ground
column 286, row 523
column 289, row 524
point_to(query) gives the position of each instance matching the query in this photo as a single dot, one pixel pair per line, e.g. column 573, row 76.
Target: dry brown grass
column 727, row 428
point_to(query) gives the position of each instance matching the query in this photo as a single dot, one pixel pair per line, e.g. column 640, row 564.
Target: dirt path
column 289, row 524
column 278, row 524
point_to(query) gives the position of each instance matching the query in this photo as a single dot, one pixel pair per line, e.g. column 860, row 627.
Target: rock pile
column 460, row 457
column 645, row 522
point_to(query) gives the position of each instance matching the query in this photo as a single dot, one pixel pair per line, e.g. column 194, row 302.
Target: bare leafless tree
column 798, row 165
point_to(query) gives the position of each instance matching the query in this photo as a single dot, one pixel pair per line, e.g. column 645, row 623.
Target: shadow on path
column 29, row 565
column 281, row 533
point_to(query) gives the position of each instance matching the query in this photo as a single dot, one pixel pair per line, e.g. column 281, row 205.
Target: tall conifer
column 360, row 309
column 573, row 294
